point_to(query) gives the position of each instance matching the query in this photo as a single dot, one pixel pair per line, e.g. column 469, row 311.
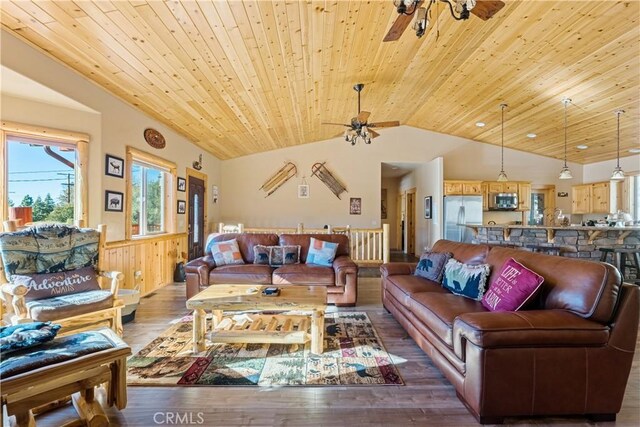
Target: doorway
column 411, row 222
column 196, row 213
column 542, row 205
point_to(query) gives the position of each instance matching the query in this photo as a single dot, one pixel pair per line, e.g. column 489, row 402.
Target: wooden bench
column 28, row 393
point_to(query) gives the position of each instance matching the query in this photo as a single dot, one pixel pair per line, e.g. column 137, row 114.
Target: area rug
column 353, row 355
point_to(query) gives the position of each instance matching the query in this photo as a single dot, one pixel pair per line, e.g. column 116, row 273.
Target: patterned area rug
column 353, row 355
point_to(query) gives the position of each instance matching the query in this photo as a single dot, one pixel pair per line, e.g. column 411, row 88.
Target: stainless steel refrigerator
column 461, row 210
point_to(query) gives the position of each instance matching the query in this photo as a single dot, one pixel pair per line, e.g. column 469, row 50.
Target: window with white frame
column 151, row 188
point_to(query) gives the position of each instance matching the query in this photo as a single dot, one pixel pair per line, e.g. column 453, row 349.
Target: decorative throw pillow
column 50, row 285
column 465, row 280
column 431, row 265
column 26, row 335
column 321, row 252
column 261, row 254
column 514, row 286
column 284, row 255
column 226, row 253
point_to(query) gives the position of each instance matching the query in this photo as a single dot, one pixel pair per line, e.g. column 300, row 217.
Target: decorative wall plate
column 154, row 138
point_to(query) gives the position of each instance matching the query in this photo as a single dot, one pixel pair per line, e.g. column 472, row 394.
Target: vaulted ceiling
column 241, row 77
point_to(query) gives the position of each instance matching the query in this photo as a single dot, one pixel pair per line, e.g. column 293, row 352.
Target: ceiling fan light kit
column 460, row 11
column 360, row 128
column 565, row 173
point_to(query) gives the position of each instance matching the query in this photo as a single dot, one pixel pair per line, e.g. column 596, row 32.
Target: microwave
column 503, row 201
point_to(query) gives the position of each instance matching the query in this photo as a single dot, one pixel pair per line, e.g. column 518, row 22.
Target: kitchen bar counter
column 576, row 241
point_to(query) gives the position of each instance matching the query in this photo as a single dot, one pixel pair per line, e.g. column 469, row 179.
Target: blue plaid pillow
column 321, row 252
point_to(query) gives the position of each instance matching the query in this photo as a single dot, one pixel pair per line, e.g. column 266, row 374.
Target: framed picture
column 303, row 191
column 114, row 166
column 355, row 206
column 113, row 201
column 427, row 207
column 182, row 184
column 182, row 206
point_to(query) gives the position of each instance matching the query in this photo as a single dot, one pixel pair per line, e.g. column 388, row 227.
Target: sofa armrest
column 398, row 268
column 342, row 266
column 535, row 328
column 116, row 278
column 197, row 272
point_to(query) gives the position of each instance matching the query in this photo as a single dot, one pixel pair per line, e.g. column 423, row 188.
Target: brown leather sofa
column 341, row 279
column 569, row 352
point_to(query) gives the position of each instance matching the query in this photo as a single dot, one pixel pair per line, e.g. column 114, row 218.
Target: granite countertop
column 542, row 227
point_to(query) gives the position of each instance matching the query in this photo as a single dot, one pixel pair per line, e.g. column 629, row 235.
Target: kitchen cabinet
column 524, row 196
column 484, row 188
column 600, row 198
column 509, row 187
column 495, row 187
column 597, row 197
column 462, row 188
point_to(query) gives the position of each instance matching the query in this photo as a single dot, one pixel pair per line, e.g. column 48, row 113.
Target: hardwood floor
column 426, row 399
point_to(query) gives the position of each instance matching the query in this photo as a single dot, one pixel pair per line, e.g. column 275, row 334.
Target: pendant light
column 618, row 173
column 565, row 173
column 502, row 177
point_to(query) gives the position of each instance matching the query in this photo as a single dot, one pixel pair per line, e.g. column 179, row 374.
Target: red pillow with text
column 512, row 288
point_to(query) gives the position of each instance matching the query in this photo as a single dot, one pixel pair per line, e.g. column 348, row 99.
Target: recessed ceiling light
column 634, row 150
column 481, row 124
column 531, row 135
column 582, row 147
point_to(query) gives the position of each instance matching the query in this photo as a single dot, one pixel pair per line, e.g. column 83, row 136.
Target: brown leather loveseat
column 568, row 352
column 341, row 279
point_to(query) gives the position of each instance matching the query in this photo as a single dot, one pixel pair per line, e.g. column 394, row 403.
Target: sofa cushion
column 276, row 256
column 402, row 287
column 466, row 280
column 439, row 310
column 303, row 274
column 586, row 288
column 49, row 285
column 514, row 285
column 321, row 252
column 226, row 253
column 241, row 274
column 463, row 252
column 69, row 305
column 261, row 254
column 431, row 265
column 304, row 240
column 246, row 242
column 26, row 335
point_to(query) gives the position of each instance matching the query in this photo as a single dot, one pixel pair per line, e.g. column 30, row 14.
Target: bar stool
column 622, row 259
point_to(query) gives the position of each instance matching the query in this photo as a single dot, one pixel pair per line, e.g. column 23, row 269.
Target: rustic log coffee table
column 260, row 328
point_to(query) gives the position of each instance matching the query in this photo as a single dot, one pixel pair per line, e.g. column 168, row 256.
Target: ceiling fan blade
column 373, row 133
column 401, row 23
column 337, row 124
column 384, row 124
column 363, row 116
column 485, row 9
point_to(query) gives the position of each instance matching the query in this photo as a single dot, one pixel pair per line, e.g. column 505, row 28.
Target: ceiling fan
column 460, row 10
column 359, row 128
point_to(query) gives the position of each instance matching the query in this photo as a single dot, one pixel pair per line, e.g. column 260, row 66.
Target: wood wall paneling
column 248, row 76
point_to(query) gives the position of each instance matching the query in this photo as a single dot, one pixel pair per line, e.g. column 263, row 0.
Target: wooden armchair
column 46, row 274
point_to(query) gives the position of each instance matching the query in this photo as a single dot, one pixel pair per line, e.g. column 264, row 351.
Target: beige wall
column 358, row 167
column 115, row 126
column 601, row 171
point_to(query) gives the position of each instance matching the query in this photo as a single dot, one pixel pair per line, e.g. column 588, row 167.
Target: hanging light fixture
column 618, row 173
column 565, row 173
column 502, row 177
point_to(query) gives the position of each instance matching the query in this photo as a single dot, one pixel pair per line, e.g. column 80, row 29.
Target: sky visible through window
column 33, row 172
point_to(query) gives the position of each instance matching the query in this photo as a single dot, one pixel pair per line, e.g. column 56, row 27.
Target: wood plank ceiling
column 241, row 77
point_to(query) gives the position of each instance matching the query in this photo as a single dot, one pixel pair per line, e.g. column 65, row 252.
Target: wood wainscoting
column 154, row 257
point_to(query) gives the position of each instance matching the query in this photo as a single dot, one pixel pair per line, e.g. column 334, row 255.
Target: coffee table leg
column 199, row 327
column 216, row 318
column 317, row 331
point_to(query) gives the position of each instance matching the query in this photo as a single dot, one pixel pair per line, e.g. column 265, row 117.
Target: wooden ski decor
column 285, row 173
column 327, row 178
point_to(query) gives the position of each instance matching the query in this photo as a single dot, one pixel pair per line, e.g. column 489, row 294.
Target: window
column 151, row 186
column 147, row 204
column 43, row 174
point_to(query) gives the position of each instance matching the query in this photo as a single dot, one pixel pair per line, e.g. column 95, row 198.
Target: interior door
column 196, row 217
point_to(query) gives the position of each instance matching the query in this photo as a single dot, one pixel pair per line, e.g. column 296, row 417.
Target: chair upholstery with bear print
column 52, row 273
